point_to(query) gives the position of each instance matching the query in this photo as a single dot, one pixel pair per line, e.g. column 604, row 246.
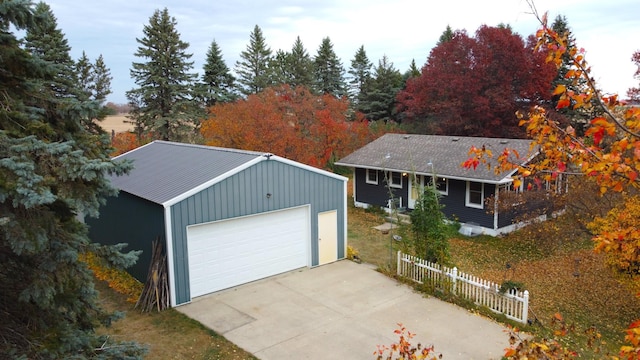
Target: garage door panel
column 232, row 252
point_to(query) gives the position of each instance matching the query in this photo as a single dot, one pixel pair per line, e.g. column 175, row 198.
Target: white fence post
column 399, row 261
column 454, row 277
column 525, row 307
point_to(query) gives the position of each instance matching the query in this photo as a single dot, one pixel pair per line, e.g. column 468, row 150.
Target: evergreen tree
column 301, row 66
column 46, row 42
column 329, row 73
column 84, row 71
column 380, row 100
column 101, row 86
column 413, row 71
column 217, row 82
column 280, row 68
column 94, row 82
column 164, row 105
column 447, row 35
column 577, row 118
column 360, row 73
column 52, row 170
column 253, row 67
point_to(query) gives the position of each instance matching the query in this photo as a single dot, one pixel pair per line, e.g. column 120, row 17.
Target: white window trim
column 390, row 180
column 367, row 177
column 468, row 203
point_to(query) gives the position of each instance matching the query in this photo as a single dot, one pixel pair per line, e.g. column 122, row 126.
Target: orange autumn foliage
column 123, row 142
column 608, row 153
column 289, row 122
column 118, row 279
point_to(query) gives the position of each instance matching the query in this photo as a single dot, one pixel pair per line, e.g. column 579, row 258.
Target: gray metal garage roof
column 415, row 153
column 163, row 170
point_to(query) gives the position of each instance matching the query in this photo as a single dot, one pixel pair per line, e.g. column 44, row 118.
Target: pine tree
column 577, row 118
column 253, row 67
column 329, row 73
column 412, row 72
column 280, row 68
column 217, row 82
column 164, row 105
column 84, row 71
column 380, row 100
column 301, row 66
column 101, row 87
column 52, row 170
column 447, row 35
column 94, row 82
column 360, row 72
column 46, row 42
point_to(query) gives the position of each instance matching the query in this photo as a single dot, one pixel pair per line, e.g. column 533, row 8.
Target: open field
column 116, row 123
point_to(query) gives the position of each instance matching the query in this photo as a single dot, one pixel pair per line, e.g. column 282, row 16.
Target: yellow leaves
column 618, row 235
column 119, row 280
column 560, row 89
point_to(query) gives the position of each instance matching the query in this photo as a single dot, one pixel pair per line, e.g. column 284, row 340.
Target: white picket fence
column 513, row 304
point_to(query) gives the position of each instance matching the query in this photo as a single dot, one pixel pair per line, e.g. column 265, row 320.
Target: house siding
column 245, row 193
column 378, row 195
column 455, row 208
column 129, row 219
column 454, row 201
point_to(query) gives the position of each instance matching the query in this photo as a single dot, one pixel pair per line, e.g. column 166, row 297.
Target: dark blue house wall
column 455, row 208
column 454, row 201
column 132, row 220
column 378, row 195
column 245, row 193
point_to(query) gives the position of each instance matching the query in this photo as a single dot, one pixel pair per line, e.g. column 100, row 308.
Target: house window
column 395, row 179
column 475, row 194
column 442, row 185
column 372, row 176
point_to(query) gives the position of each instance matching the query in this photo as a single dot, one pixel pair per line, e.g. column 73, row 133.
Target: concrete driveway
column 341, row 311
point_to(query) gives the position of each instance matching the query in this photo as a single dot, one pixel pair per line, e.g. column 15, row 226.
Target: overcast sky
column 609, row 30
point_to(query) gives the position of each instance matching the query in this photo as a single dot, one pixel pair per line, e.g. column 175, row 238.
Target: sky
column 608, row 30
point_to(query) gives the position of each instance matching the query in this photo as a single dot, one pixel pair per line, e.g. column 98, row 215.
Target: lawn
column 562, row 275
column 167, row 335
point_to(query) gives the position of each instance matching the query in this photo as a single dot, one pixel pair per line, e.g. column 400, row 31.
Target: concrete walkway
column 341, row 311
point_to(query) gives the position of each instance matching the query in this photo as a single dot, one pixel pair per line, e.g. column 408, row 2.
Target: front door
column 416, row 186
column 327, row 237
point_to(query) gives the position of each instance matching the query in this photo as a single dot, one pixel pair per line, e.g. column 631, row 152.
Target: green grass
column 562, row 274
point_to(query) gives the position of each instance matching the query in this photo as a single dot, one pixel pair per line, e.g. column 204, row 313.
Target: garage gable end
column 267, row 186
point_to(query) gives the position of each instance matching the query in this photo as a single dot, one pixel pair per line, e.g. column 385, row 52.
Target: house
column 228, row 216
column 384, row 169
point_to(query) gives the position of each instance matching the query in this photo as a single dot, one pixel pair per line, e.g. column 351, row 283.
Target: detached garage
column 228, row 216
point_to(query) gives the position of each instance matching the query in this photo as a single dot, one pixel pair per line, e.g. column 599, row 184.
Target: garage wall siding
column 132, row 220
column 245, row 193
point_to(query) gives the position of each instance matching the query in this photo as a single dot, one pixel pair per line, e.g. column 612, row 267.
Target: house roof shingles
column 163, row 170
column 415, row 153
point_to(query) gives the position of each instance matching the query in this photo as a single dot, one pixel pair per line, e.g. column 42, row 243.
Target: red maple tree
column 474, row 86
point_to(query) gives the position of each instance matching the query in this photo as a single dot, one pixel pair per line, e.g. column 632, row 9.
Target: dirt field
column 116, row 123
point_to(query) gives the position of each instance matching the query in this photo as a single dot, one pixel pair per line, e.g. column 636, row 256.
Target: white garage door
column 227, row 253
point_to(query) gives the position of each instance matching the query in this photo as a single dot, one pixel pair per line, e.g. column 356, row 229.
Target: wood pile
column 155, row 294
